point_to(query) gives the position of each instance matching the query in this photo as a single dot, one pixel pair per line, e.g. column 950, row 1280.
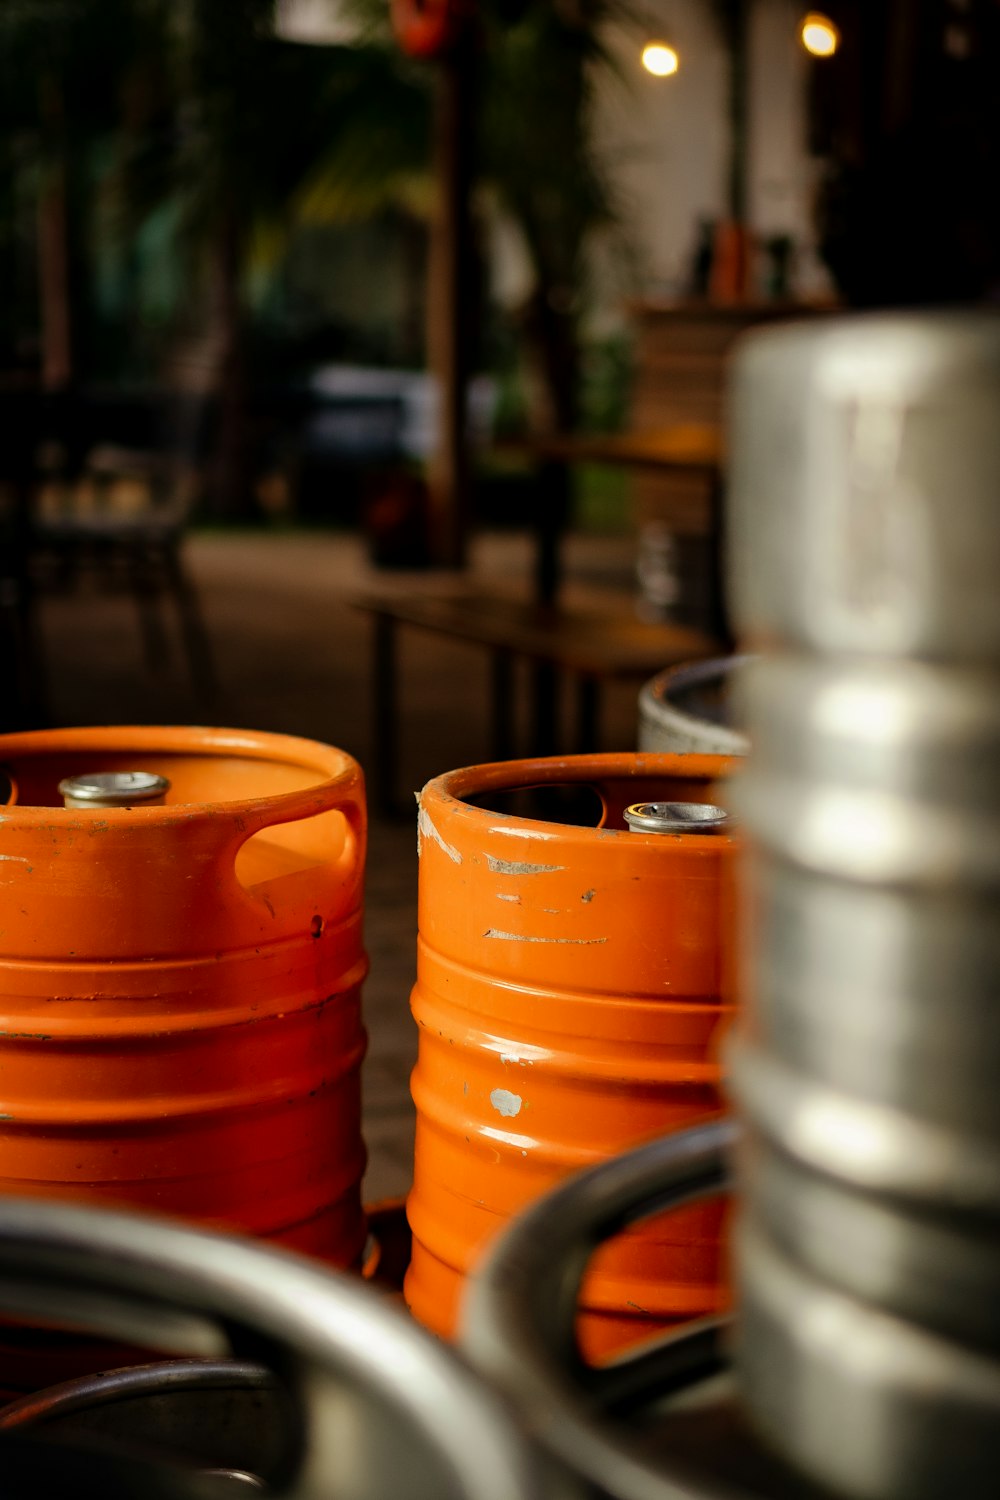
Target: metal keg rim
column 148, row 1279
column 156, row 1378
column 871, row 1147
column 925, row 1268
column 872, row 836
column 654, row 700
column 520, row 1309
column 893, row 1372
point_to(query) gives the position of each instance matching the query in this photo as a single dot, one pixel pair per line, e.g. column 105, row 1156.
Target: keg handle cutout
column 8, row 788
column 288, row 842
column 294, row 832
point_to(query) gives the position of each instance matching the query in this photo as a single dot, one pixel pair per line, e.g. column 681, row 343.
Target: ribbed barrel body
column 180, row 984
column 571, row 994
column 866, row 543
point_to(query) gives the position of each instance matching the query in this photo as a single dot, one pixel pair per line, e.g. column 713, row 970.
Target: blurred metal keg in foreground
column 305, row 1383
column 690, row 710
column 866, row 551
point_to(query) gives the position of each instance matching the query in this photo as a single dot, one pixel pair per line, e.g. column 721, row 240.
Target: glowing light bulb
column 819, row 35
column 660, row 60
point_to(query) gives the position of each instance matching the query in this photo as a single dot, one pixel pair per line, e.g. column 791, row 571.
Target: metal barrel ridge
column 691, row 709
column 357, row 1400
column 865, row 551
column 572, row 988
column 181, row 983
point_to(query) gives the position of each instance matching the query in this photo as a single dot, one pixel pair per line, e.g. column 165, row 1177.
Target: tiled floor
column 293, row 657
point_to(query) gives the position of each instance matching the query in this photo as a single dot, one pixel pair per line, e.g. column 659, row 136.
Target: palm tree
column 63, row 64
column 195, row 111
column 203, row 111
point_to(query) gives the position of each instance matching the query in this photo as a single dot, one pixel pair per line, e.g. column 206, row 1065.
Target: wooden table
column 590, row 646
column 691, row 448
column 680, row 445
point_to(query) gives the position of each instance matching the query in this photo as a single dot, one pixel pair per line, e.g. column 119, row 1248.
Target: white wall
column 666, row 141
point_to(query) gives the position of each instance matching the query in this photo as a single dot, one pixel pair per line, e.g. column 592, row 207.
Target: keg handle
column 519, row 1313
column 343, row 794
column 320, row 1332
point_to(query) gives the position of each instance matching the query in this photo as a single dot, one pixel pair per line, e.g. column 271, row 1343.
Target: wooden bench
column 591, row 646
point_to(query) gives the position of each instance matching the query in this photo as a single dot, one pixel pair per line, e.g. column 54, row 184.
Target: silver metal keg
column 114, row 789
column 864, row 471
column 223, row 1417
column 690, row 710
column 613, row 1427
column 677, row 817
column 865, row 548
column 377, row 1407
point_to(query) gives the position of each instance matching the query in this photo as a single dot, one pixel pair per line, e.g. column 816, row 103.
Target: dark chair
column 110, row 503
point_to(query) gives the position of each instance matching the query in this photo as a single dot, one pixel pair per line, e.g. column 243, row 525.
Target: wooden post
column 53, row 257
column 731, row 275
column 738, row 123
column 450, row 303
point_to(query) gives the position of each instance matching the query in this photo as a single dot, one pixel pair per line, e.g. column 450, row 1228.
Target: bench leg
column 545, row 694
column 502, row 705
column 587, row 715
column 718, row 614
column 201, row 663
column 554, row 506
column 385, row 727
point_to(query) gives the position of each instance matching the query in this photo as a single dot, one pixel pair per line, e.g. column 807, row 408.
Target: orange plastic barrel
column 570, row 1002
column 180, row 984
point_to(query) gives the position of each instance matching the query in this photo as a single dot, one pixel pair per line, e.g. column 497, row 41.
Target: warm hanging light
column 660, row 59
column 819, row 35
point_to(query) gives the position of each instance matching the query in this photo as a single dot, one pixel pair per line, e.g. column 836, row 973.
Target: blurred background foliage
column 186, row 195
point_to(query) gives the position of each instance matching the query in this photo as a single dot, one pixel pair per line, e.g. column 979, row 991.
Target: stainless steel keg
column 224, row 1417
column 372, row 1405
column 690, row 709
column 864, row 471
column 865, row 551
column 662, row 1422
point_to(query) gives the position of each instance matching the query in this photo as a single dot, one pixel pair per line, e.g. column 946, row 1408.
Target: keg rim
column 338, row 776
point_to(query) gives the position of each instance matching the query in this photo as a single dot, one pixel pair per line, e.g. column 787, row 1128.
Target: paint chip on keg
column 519, row 867
column 506, row 1103
column 527, row 937
column 524, row 833
column 426, row 830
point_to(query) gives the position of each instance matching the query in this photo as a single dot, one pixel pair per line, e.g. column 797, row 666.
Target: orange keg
column 569, row 1000
column 180, row 982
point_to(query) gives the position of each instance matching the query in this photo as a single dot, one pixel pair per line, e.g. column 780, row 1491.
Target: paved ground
column 293, row 657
